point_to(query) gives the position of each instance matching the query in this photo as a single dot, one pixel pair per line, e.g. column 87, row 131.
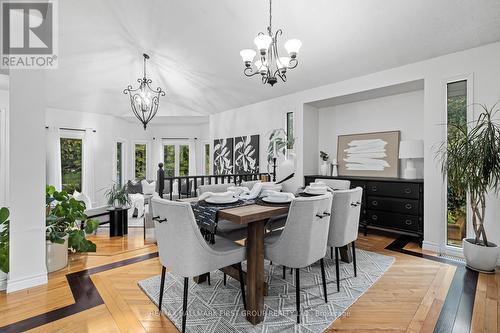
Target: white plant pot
column 57, row 255
column 480, row 258
column 3, row 280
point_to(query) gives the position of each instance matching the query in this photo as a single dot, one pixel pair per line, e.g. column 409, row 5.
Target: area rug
column 218, row 308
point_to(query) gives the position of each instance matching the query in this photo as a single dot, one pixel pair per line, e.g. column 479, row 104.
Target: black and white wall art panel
column 246, row 154
column 223, row 156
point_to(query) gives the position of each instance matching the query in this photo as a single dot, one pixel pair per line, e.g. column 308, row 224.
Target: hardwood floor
column 408, row 298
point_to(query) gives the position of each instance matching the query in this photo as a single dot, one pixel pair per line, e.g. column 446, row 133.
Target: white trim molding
column 27, row 282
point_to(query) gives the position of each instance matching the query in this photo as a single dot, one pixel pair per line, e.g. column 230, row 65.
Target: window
column 183, row 160
column 206, row 159
column 119, row 163
column 140, row 161
column 71, row 164
column 456, row 199
column 169, row 160
column 289, row 130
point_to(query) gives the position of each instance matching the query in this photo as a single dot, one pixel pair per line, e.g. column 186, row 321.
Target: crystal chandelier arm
column 293, row 63
column 248, row 71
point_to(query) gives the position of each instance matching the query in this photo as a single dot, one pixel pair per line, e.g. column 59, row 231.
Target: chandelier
column 270, row 65
column 144, row 100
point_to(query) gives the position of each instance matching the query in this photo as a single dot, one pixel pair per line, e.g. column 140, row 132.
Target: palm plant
column 470, row 159
column 4, row 239
column 117, row 195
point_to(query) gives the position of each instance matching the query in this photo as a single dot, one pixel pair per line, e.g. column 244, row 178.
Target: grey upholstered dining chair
column 303, row 240
column 183, row 250
column 335, row 184
column 344, row 224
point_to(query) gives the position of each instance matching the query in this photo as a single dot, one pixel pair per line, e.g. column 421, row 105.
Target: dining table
column 255, row 217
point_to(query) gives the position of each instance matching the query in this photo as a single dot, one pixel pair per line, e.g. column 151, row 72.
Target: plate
column 219, row 201
column 276, row 200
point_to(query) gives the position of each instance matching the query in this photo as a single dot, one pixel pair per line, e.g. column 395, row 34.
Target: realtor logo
column 29, row 34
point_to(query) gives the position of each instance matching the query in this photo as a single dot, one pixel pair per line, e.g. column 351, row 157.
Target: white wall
column 109, row 130
column 482, row 62
column 403, row 112
column 26, row 198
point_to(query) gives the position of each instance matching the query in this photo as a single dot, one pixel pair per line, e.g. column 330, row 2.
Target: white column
column 27, row 179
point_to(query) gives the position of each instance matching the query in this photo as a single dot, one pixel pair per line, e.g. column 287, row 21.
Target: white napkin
column 237, row 190
column 254, row 193
column 222, row 195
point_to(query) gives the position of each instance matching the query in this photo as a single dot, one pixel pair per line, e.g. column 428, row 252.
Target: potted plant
column 4, row 247
column 64, row 216
column 323, row 168
column 471, row 162
column 117, row 196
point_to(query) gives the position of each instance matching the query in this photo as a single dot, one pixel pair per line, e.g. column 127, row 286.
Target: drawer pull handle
column 375, row 202
column 407, row 190
column 408, row 206
column 374, row 217
column 408, row 222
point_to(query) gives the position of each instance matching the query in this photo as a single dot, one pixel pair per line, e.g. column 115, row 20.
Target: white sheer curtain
column 88, row 171
column 53, row 157
column 192, row 157
column 156, row 156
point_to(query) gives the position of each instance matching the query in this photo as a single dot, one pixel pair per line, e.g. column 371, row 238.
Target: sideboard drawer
column 392, row 189
column 404, row 206
column 393, row 220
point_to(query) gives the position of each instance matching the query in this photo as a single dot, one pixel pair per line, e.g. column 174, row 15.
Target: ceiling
column 194, row 46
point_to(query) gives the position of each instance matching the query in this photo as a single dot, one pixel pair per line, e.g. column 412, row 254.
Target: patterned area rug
column 218, row 308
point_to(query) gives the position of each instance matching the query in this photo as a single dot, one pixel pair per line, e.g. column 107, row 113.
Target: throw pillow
column 148, row 188
column 82, row 197
column 134, row 187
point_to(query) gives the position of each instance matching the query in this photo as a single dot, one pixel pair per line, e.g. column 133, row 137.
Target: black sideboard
column 392, row 204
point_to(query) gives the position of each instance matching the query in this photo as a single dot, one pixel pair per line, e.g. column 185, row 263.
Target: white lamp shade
column 411, row 149
column 292, row 46
column 283, row 62
column 262, row 42
column 247, row 55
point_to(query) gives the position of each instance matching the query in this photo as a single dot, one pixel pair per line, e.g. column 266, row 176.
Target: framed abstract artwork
column 369, row 154
column 223, row 156
column 246, row 154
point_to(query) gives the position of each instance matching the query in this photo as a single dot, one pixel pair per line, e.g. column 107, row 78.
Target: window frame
column 148, row 158
column 177, row 143
column 444, row 248
column 4, row 157
column 75, row 135
column 115, row 161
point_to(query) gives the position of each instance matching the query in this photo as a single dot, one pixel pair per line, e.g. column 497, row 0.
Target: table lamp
column 409, row 150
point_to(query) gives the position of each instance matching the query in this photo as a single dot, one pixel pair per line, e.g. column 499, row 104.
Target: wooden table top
column 247, row 213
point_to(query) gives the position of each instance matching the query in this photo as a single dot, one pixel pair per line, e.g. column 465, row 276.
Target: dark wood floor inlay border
column 84, row 292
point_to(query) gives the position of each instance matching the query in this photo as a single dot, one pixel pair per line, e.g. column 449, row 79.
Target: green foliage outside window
column 140, row 161
column 119, row 168
column 169, row 160
column 183, row 160
column 207, row 159
column 71, row 164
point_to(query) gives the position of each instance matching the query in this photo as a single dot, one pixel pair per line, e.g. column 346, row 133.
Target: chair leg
column 331, row 252
column 162, row 285
column 242, row 286
column 354, row 259
column 324, row 279
column 284, row 269
column 225, row 278
column 337, row 269
column 297, row 294
column 208, row 278
column 291, row 271
column 184, row 304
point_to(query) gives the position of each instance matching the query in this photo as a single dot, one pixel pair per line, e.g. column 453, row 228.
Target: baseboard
column 28, row 282
column 430, row 246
